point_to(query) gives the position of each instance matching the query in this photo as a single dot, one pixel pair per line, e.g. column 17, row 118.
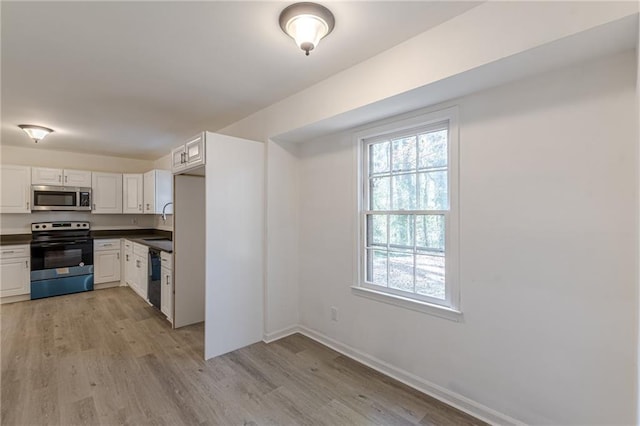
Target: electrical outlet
column 334, row 313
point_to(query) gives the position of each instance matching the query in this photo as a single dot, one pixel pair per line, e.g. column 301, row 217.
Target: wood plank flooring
column 107, row 358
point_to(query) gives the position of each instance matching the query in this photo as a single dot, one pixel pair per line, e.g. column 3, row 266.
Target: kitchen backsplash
column 21, row 223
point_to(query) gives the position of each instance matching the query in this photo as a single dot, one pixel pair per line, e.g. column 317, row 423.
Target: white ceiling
column 133, row 79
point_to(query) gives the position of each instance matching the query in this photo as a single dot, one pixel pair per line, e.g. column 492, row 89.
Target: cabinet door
column 178, row 161
column 107, row 193
column 106, row 266
column 141, row 276
column 166, row 296
column 194, row 150
column 80, row 178
column 45, row 176
column 132, row 193
column 129, row 265
column 15, row 189
column 15, row 277
column 158, row 191
column 150, row 192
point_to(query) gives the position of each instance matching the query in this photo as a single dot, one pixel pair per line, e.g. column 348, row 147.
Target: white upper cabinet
column 190, row 155
column 80, row 178
column 158, row 191
column 132, row 190
column 15, row 189
column 60, row 177
column 177, row 159
column 107, row 193
column 45, row 176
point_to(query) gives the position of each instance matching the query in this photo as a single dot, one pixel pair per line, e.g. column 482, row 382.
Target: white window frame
column 449, row 307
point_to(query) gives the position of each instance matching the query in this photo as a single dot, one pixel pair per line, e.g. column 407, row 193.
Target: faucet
column 164, row 215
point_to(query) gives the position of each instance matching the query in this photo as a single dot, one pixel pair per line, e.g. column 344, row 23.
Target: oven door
column 61, row 254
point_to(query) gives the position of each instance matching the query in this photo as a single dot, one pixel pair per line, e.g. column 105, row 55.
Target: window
column 408, row 217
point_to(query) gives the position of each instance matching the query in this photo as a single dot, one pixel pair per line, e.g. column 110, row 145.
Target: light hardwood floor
column 107, row 358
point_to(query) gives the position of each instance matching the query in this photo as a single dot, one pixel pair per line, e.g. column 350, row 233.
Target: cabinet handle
column 8, row 252
column 66, row 179
column 94, row 206
column 126, row 257
column 140, row 207
column 147, row 206
column 28, row 205
column 26, row 262
column 118, row 256
column 167, row 279
column 59, row 178
column 107, row 245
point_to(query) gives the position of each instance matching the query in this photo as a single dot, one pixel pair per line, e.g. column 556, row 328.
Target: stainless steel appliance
column 61, row 258
column 44, row 197
column 154, row 283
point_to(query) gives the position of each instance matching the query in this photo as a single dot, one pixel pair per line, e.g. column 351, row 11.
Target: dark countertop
column 140, row 236
column 7, row 240
column 135, row 235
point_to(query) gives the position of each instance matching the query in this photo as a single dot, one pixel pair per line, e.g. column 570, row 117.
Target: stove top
column 41, row 231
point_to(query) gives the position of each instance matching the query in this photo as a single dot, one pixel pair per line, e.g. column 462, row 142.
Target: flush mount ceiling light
column 307, row 23
column 37, row 133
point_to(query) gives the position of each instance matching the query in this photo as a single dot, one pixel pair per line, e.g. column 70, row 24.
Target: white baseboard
column 277, row 335
column 448, row 397
column 13, row 299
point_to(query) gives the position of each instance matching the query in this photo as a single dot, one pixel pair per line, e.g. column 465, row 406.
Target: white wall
column 234, row 293
column 40, row 157
column 548, row 251
column 281, row 291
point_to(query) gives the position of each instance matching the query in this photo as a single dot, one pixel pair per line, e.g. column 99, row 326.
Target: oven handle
column 66, row 243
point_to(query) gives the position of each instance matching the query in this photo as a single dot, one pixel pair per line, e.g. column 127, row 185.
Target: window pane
column 404, row 154
column 430, row 233
column 379, row 193
column 401, row 271
column 376, row 230
column 379, row 158
column 377, row 267
column 404, row 192
column 432, row 149
column 401, row 232
column 433, row 191
column 430, row 276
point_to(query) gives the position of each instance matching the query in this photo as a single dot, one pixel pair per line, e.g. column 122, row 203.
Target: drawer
column 110, row 244
column 166, row 259
column 140, row 250
column 11, row 252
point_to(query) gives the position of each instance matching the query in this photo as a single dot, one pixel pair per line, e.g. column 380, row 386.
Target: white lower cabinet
column 15, row 270
column 106, row 261
column 128, row 265
column 140, row 278
column 166, row 295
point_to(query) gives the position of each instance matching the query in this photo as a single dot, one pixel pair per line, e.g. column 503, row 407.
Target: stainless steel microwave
column 45, row 197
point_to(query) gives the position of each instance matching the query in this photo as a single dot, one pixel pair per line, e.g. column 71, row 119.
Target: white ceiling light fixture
column 37, row 133
column 307, row 23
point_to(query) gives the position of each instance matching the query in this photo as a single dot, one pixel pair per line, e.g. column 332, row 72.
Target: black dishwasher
column 155, row 278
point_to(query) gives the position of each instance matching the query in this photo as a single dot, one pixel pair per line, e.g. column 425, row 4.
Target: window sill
column 403, row 302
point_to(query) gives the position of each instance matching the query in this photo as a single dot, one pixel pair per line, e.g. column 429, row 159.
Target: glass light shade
column 37, row 133
column 307, row 23
column 307, row 30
